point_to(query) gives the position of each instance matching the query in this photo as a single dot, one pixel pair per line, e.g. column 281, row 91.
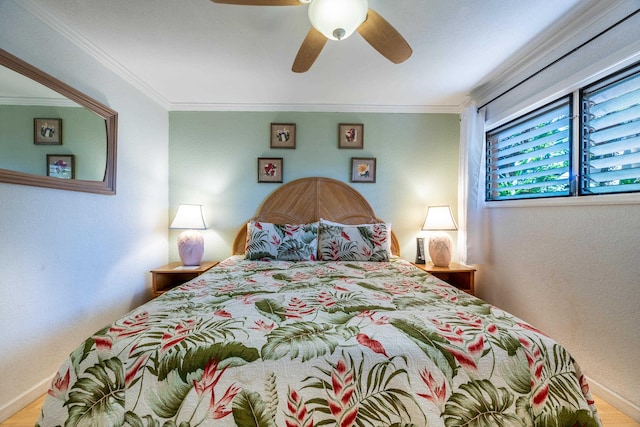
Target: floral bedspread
column 302, row 344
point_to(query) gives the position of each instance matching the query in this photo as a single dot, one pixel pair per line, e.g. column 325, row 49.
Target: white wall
column 72, row 262
column 572, row 267
column 574, row 272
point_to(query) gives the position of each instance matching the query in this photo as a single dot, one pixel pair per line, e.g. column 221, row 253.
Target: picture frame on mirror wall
column 351, row 135
column 47, row 131
column 270, row 169
column 61, row 166
column 283, row 135
column 363, row 169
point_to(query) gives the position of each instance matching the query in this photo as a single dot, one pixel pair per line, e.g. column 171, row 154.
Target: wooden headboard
column 307, row 200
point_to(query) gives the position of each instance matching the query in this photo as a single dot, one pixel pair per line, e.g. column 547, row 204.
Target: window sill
column 599, row 200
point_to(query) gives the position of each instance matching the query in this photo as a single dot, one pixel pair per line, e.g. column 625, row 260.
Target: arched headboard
column 307, row 200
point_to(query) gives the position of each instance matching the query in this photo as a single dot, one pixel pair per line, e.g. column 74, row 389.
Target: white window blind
column 610, row 155
column 531, row 157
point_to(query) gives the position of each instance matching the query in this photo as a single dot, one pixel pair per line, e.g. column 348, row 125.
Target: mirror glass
column 51, row 135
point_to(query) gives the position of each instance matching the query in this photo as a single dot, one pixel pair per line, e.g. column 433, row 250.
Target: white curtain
column 473, row 245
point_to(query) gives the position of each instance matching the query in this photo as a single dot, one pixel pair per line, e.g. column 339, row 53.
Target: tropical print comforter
column 302, row 344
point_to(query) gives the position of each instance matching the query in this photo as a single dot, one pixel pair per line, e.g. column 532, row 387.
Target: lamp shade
column 190, row 242
column 337, row 19
column 189, row 217
column 439, row 218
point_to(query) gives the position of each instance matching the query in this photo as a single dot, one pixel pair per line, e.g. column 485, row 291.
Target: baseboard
column 614, row 399
column 11, row 408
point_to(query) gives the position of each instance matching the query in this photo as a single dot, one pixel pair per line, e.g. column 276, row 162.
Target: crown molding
column 572, row 25
column 49, row 18
column 41, row 102
column 325, row 108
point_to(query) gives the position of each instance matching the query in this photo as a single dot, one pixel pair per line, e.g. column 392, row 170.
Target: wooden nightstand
column 458, row 275
column 174, row 274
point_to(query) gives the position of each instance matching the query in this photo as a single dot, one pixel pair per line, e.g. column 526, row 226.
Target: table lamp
column 439, row 219
column 190, row 241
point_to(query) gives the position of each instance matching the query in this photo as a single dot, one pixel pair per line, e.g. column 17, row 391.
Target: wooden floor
column 27, row 417
column 610, row 416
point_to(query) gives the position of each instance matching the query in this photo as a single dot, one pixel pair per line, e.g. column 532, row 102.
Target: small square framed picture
column 283, row 135
column 363, row 169
column 350, row 135
column 47, row 131
column 270, row 169
column 61, row 166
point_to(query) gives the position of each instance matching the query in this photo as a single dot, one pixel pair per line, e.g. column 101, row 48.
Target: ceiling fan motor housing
column 337, row 19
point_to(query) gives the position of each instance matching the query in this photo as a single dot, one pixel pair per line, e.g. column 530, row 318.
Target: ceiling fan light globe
column 337, row 19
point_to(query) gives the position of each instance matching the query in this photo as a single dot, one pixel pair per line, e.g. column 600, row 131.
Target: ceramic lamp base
column 191, row 247
column 440, row 249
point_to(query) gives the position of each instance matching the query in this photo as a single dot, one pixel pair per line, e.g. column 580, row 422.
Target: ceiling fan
column 337, row 20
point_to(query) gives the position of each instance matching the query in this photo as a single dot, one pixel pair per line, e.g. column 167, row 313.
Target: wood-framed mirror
column 28, row 142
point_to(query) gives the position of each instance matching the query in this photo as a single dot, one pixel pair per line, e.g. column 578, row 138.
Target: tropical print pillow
column 364, row 242
column 387, row 224
column 286, row 242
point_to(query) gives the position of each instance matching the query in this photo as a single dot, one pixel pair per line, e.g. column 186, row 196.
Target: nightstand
column 458, row 275
column 174, row 274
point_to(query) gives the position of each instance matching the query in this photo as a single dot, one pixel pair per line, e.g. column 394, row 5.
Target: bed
column 299, row 339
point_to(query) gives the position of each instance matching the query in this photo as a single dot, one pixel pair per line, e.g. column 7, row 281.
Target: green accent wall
column 213, row 161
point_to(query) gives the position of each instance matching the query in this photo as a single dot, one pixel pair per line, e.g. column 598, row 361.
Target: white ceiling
column 194, row 54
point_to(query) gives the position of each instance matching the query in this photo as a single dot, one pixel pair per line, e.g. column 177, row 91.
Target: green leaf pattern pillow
column 286, row 242
column 364, row 242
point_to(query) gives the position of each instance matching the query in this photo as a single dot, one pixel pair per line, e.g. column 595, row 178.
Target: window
column 610, row 156
column 532, row 156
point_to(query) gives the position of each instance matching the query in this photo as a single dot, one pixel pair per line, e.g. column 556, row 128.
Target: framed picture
column 61, row 166
column 270, row 169
column 350, row 135
column 47, row 131
column 363, row 169
column 283, row 135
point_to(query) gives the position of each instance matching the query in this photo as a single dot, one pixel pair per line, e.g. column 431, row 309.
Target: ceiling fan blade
column 309, row 51
column 260, row 2
column 384, row 38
